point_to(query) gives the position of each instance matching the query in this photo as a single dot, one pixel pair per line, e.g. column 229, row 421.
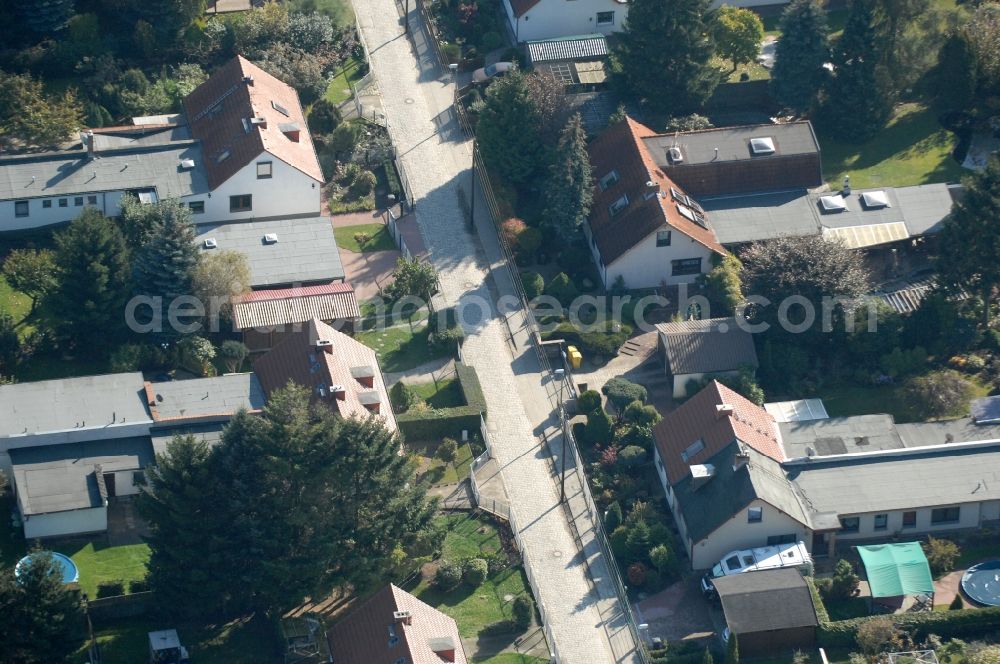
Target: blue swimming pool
column 981, row 583
column 70, row 573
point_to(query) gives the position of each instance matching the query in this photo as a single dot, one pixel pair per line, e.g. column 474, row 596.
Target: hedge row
column 946, row 624
column 821, row 613
column 442, row 422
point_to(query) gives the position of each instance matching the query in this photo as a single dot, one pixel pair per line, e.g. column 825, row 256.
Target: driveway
column 368, row 272
column 678, row 613
column 638, row 362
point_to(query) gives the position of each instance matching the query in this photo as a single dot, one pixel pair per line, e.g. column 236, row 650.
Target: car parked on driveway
column 484, row 74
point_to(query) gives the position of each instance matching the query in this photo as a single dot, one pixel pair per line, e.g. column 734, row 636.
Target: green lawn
column 437, row 471
column 977, row 553
column 443, row 394
column 127, row 641
column 399, row 348
column 847, row 399
column 379, row 238
column 473, row 609
column 339, row 90
column 99, row 562
column 13, row 302
column 912, row 149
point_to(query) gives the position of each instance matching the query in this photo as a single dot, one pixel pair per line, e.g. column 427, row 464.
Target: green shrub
column 451, row 52
column 621, row 392
column 598, row 428
column 876, row 636
column 474, row 571
column 497, row 562
column 499, row 627
column 638, row 435
column 403, row 397
column 523, row 610
column 613, row 517
column 448, row 575
column 447, row 450
column 110, row 588
column 363, row 184
column 561, row 287
column 900, row 363
column 138, row 586
column 491, row 41
column 445, row 341
column 844, row 582
column 663, row 558
column 632, row 456
column 533, row 284
column 528, row 242
column 821, row 613
column 588, row 401
column 636, row 574
column 640, row 414
column 941, row 554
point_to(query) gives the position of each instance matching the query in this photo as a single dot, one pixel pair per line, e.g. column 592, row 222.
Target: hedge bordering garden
column 442, row 422
column 945, row 624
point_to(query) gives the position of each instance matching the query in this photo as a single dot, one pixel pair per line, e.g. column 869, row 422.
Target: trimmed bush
column 442, row 422
column 533, row 284
column 403, row 397
column 621, row 392
column 598, row 428
column 448, row 575
column 638, row 413
column 445, row 341
column 562, row 289
column 138, row 586
column 499, row 627
column 523, row 610
column 110, row 588
column 447, row 450
column 632, row 456
column 588, row 401
column 636, row 574
column 945, row 624
column 474, row 571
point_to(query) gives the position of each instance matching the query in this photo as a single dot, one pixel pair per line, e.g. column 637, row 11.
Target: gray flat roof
column 568, row 48
column 131, row 137
column 202, row 397
column 733, row 143
column 963, row 430
column 72, row 172
column 57, row 478
column 739, row 219
column 210, row 432
column 87, row 402
column 839, row 435
column 305, row 252
column 905, row 479
column 913, row 210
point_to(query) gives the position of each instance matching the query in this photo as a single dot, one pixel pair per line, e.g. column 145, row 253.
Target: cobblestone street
column 436, row 159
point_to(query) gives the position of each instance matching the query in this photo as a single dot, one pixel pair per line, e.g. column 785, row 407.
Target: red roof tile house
column 394, row 627
column 719, row 460
column 643, row 228
column 341, row 373
column 259, row 159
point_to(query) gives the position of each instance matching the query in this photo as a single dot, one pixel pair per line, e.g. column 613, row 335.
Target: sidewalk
column 437, row 158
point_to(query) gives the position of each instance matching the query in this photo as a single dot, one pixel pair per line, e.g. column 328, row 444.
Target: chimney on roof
column 248, row 79
column 402, row 617
column 290, row 130
column 338, row 392
column 88, row 141
column 724, row 410
column 740, row 460
column 701, row 474
column 259, row 121
column 443, row 647
column 847, row 186
column 325, row 345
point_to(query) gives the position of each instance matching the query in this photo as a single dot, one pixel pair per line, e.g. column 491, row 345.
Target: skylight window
column 618, row 205
column 224, row 155
column 609, row 180
column 687, row 212
column 279, row 108
column 762, row 145
column 874, row 200
column 692, row 449
column 832, row 203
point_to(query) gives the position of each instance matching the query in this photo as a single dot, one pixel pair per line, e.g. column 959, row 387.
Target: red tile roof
column 521, row 7
column 699, row 418
column 338, row 362
column 216, row 111
column 363, row 636
column 621, row 149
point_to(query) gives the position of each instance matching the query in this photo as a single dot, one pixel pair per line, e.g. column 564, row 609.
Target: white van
column 765, row 557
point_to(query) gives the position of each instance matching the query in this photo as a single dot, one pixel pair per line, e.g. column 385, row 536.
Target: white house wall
column 56, row 524
column 38, row 215
column 971, row 515
column 82, row 435
column 645, row 265
column 550, row 19
column 739, row 533
column 746, row 3
column 287, row 193
column 681, row 381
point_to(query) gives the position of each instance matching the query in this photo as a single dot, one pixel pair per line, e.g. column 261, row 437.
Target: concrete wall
column 93, row 520
column 550, row 19
column 738, row 533
column 38, row 215
column 646, row 265
column 287, row 193
column 125, row 483
column 971, row 515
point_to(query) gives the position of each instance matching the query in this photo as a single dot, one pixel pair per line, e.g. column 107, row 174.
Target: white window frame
column 618, row 205
column 755, row 515
column 600, row 22
column 22, row 205
column 269, row 170
column 609, row 180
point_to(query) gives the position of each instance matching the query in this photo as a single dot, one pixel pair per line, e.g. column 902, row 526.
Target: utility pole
column 472, row 188
column 560, row 374
column 406, row 18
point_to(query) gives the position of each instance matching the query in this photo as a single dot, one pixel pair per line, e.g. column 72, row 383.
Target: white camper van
column 750, row 560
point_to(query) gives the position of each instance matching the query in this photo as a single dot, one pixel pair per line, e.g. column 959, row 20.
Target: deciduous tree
column 33, row 118
column 45, row 17
column 413, row 277
column 569, row 189
column 31, row 271
column 218, row 277
column 738, row 34
column 943, row 393
column 802, row 50
column 663, row 55
column 970, row 238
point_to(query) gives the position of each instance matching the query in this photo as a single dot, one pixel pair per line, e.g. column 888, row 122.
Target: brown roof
column 284, row 306
column 706, row 346
column 370, row 634
column 621, row 149
column 699, row 418
column 521, row 7
column 333, row 366
column 240, row 90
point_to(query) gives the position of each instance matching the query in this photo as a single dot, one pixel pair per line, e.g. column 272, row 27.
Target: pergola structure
column 913, row 657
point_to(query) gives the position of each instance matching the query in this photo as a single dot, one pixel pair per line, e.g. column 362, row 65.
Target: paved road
column 436, row 156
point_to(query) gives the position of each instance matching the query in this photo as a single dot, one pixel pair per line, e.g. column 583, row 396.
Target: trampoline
column 68, row 567
column 981, row 583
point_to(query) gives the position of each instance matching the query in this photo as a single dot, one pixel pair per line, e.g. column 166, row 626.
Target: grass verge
column 99, row 562
column 436, row 471
column 400, row 348
column 339, row 89
column 442, row 394
column 844, row 400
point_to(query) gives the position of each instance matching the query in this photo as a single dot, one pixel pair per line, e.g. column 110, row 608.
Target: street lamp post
column 406, row 18
column 560, row 374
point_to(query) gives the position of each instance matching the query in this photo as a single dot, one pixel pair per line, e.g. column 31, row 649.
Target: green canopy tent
column 897, row 569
